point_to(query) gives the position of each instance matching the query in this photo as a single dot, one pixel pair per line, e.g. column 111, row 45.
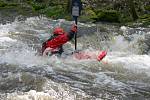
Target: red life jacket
column 58, row 41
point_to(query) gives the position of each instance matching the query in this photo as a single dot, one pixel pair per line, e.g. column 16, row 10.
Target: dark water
column 25, row 75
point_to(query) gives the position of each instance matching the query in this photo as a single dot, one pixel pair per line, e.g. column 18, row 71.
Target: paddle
column 76, row 9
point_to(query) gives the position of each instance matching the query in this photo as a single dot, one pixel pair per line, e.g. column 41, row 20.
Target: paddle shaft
column 76, row 9
column 76, row 21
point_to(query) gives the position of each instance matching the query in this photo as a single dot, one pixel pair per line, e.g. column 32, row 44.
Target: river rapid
column 26, row 75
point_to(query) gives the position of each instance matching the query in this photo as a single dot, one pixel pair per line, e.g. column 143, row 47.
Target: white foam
column 51, row 91
column 123, row 28
column 24, row 57
column 106, row 80
column 131, row 61
column 5, row 29
column 31, row 95
column 148, row 32
column 120, row 44
column 7, row 39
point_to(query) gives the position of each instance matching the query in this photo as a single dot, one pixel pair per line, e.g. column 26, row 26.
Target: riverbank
column 103, row 12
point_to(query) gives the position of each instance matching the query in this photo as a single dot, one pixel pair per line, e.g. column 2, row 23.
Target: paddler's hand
column 72, row 32
column 76, row 51
column 74, row 28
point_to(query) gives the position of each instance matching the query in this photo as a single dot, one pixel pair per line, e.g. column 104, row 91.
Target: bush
column 125, row 19
column 88, row 15
column 147, row 7
column 54, row 12
column 12, row 4
column 3, row 4
column 145, row 16
column 38, row 6
column 108, row 16
column 145, row 19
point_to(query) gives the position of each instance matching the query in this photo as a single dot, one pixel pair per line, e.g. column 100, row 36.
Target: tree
column 68, row 6
column 132, row 9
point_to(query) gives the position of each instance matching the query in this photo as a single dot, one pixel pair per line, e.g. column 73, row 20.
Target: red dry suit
column 58, row 39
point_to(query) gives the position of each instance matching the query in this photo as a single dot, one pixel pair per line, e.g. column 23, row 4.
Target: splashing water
column 25, row 75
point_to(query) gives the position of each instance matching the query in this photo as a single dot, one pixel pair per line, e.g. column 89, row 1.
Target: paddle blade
column 101, row 55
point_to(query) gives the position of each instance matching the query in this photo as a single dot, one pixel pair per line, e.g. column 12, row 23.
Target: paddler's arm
column 72, row 32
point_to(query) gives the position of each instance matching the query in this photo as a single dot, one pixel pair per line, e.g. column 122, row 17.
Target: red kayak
column 83, row 55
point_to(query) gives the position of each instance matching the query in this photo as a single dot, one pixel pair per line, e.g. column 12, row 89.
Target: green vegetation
column 145, row 19
column 37, row 6
column 147, row 7
column 5, row 5
column 120, row 11
column 54, row 12
column 107, row 15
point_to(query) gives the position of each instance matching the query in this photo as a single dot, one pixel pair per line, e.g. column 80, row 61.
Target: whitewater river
column 124, row 74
